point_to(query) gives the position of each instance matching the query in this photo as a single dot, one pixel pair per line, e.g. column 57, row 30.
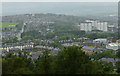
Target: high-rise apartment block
column 90, row 25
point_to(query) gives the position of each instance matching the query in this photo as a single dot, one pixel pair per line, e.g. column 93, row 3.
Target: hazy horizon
column 68, row 8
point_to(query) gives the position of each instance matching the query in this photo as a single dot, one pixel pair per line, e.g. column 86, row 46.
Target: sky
column 49, row 1
column 60, row 0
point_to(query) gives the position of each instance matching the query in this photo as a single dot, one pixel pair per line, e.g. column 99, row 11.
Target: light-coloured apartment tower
column 101, row 26
column 86, row 26
column 105, row 26
column 90, row 25
column 94, row 24
column 98, row 26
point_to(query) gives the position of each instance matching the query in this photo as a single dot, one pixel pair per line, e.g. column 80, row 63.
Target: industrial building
column 100, row 40
column 113, row 46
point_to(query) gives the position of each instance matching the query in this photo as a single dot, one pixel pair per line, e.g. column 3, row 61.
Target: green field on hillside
column 8, row 25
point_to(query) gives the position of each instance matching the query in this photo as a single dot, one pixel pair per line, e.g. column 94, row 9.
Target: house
column 27, row 49
column 54, row 52
column 65, row 41
column 35, row 55
column 118, row 41
column 14, row 50
column 3, row 51
column 113, row 60
column 107, row 60
column 87, row 44
column 69, row 44
column 111, row 40
column 88, row 50
column 100, row 49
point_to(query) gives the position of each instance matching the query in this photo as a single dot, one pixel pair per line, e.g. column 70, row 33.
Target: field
column 8, row 25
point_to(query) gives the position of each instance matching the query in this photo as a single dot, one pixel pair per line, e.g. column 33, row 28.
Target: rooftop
column 88, row 48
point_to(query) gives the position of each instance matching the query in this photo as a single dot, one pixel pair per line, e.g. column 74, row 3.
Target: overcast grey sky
column 59, row 0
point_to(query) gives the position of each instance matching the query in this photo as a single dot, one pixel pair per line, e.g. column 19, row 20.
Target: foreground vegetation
column 70, row 60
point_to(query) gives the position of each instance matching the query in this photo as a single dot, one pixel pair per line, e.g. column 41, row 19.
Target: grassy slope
column 6, row 25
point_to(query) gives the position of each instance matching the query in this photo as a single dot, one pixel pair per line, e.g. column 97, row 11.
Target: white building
column 94, row 23
column 87, row 26
column 100, row 40
column 90, row 25
column 113, row 46
column 111, row 28
column 105, row 26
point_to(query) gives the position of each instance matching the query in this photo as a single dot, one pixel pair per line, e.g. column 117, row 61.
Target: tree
column 118, row 66
column 107, row 67
column 14, row 65
column 118, row 53
column 9, row 55
column 69, row 60
column 72, row 60
column 43, row 64
column 99, row 55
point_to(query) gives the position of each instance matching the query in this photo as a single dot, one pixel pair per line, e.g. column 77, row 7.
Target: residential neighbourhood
column 88, row 45
column 60, row 38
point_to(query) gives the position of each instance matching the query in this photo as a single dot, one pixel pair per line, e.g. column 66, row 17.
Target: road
column 21, row 31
